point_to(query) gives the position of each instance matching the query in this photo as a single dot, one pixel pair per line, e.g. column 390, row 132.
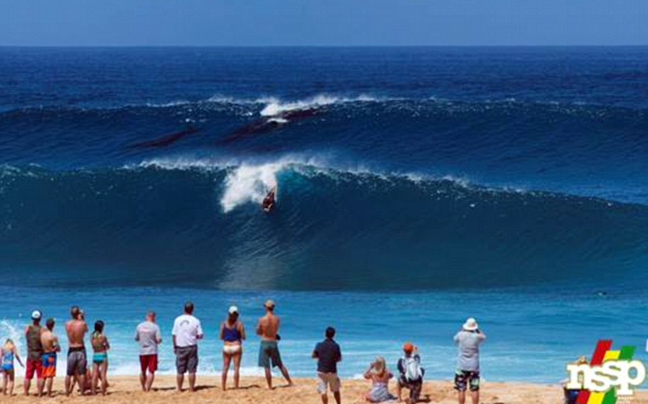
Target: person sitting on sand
column 76, row 328
column 379, row 376
column 8, row 353
column 186, row 333
column 468, row 340
column 51, row 347
column 328, row 354
column 100, row 347
column 570, row 396
column 232, row 333
column 87, row 384
column 148, row 336
column 268, row 329
column 410, row 373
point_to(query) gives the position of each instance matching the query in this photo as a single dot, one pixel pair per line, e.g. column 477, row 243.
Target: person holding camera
column 468, row 340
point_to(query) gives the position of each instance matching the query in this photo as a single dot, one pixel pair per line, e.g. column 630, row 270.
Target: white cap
column 36, row 315
column 233, row 309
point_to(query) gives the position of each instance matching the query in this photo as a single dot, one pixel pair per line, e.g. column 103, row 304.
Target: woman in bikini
column 232, row 333
column 100, row 346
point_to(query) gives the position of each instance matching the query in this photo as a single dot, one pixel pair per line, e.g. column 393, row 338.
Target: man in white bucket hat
column 468, row 340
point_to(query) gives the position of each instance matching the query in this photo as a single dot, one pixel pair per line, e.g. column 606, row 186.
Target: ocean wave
column 199, row 223
column 270, row 105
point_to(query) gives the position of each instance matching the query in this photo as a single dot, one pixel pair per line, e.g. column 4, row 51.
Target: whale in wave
column 270, row 123
column 166, row 140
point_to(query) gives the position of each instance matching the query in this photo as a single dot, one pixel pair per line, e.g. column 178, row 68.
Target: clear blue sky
column 323, row 22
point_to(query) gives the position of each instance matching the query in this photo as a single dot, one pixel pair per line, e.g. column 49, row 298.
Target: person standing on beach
column 232, row 333
column 51, row 346
column 76, row 328
column 186, row 333
column 148, row 336
column 268, row 329
column 468, row 340
column 8, row 352
column 34, row 354
column 100, row 347
column 328, row 354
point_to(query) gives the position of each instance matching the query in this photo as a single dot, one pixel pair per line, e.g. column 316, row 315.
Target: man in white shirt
column 186, row 333
column 148, row 336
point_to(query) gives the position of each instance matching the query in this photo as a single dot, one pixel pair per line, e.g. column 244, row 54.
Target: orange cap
column 408, row 347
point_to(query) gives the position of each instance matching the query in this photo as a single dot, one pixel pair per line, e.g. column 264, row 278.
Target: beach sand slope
column 126, row 390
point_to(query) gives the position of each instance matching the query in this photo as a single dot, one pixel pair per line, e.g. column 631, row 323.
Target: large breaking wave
column 199, row 223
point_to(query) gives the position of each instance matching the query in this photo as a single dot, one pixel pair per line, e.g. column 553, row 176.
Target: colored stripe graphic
column 627, row 352
column 610, row 397
column 597, row 358
column 611, row 355
column 596, row 398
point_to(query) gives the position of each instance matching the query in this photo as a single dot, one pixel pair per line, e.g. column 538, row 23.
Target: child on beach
column 100, row 346
column 8, row 353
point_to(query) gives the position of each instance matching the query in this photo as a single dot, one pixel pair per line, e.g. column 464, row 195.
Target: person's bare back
column 268, row 327
column 49, row 341
column 76, row 330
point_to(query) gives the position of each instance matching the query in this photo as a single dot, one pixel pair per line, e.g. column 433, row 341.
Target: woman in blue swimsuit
column 232, row 333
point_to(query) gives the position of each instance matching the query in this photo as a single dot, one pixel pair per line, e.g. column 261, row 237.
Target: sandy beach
column 125, row 390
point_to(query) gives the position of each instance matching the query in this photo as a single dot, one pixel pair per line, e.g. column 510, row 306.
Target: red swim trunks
column 34, row 366
column 148, row 362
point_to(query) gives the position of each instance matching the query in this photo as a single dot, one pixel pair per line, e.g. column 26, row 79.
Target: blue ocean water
column 417, row 186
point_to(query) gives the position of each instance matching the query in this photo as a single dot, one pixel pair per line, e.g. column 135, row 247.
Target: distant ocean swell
column 552, row 146
column 196, row 223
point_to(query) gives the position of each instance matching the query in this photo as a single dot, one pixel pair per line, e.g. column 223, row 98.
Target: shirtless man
column 267, row 329
column 51, row 346
column 76, row 329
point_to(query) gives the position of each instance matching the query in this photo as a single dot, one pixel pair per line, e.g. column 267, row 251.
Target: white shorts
column 326, row 381
column 231, row 349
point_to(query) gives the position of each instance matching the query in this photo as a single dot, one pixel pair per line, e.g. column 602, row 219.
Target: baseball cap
column 233, row 309
column 36, row 315
column 408, row 347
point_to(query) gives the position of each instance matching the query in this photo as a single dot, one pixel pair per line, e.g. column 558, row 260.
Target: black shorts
column 465, row 379
column 187, row 359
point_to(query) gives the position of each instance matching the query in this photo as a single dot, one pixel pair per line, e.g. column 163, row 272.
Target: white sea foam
column 249, row 184
column 10, row 330
column 276, row 107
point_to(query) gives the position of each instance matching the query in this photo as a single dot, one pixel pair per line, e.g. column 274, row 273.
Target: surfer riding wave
column 269, row 201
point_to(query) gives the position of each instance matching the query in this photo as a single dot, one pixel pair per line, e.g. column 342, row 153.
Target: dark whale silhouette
column 270, row 123
column 166, row 140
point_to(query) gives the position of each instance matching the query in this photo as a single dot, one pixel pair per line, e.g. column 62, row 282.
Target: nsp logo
column 609, row 375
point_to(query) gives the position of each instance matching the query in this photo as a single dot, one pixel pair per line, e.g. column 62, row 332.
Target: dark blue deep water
column 470, row 177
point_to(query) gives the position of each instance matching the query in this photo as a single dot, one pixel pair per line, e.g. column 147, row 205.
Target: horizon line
column 336, row 46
